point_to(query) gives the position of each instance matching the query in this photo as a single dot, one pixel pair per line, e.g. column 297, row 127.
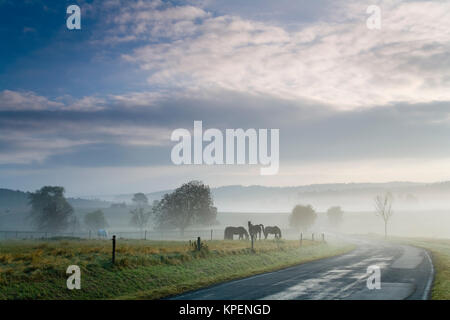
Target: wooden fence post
column 301, row 238
column 313, row 236
column 211, row 234
column 199, row 244
column 323, row 237
column 145, row 235
column 253, row 240
column 113, row 249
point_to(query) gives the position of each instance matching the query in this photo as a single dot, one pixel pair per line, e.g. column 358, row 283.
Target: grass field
column 440, row 252
column 143, row 269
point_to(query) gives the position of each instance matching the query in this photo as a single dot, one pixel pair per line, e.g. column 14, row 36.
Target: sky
column 93, row 109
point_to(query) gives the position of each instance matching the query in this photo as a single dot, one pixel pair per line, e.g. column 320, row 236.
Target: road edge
column 428, row 288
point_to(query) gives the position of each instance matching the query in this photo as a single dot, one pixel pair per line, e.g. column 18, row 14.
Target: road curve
column 406, row 273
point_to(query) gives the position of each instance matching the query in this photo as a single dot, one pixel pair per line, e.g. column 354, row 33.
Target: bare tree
column 139, row 218
column 139, row 215
column 383, row 208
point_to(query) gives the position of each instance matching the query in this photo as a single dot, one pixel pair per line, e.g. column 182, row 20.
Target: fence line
column 210, row 234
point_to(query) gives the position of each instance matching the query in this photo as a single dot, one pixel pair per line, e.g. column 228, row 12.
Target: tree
column 189, row 204
column 74, row 224
column 95, row 220
column 335, row 215
column 50, row 210
column 302, row 217
column 383, row 208
column 140, row 200
column 139, row 218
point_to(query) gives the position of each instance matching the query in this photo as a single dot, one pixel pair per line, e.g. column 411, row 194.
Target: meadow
column 143, row 269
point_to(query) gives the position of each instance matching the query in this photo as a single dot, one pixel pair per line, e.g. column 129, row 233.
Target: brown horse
column 231, row 231
column 255, row 229
column 272, row 230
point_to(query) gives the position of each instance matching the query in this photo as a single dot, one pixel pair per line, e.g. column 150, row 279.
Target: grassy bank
column 440, row 252
column 143, row 269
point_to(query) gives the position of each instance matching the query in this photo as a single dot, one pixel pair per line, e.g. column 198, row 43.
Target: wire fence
column 158, row 235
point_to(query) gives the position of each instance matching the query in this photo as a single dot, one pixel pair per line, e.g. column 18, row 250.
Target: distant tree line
column 190, row 204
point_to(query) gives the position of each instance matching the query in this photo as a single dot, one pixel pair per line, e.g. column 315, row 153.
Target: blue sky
column 93, row 109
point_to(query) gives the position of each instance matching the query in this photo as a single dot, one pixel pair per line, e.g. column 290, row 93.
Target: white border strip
column 426, row 293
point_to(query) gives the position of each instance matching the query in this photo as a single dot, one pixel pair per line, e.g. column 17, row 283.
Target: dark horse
column 231, row 231
column 272, row 230
column 255, row 229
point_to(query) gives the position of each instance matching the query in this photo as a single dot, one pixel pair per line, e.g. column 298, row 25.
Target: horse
column 102, row 233
column 231, row 231
column 255, row 229
column 272, row 230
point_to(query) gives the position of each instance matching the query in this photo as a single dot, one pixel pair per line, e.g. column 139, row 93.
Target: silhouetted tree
column 383, row 208
column 189, row 204
column 302, row 217
column 335, row 216
column 140, row 199
column 139, row 217
column 95, row 220
column 74, row 223
column 50, row 210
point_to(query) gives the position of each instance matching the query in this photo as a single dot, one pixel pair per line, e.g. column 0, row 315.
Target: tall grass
column 143, row 269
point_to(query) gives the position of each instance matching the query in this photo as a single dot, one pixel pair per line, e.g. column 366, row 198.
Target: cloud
column 127, row 131
column 27, row 100
column 336, row 62
column 349, row 102
column 145, row 20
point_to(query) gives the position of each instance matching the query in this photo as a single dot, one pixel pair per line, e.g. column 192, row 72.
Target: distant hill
column 13, row 199
column 351, row 196
column 238, row 198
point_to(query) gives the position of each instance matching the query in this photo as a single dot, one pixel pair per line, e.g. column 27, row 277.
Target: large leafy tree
column 95, row 220
column 187, row 205
column 302, row 217
column 50, row 210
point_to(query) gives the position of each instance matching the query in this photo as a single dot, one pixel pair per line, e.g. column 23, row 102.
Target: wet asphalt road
column 406, row 273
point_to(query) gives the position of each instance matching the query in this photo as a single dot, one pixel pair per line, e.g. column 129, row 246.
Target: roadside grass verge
column 143, row 269
column 440, row 252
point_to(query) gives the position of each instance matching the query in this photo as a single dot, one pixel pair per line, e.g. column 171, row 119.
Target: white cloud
column 27, row 100
column 137, row 99
column 34, row 148
column 338, row 63
column 150, row 19
column 135, row 135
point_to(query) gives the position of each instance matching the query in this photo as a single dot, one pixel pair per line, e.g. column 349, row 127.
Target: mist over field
column 97, row 107
column 420, row 210
column 224, row 150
